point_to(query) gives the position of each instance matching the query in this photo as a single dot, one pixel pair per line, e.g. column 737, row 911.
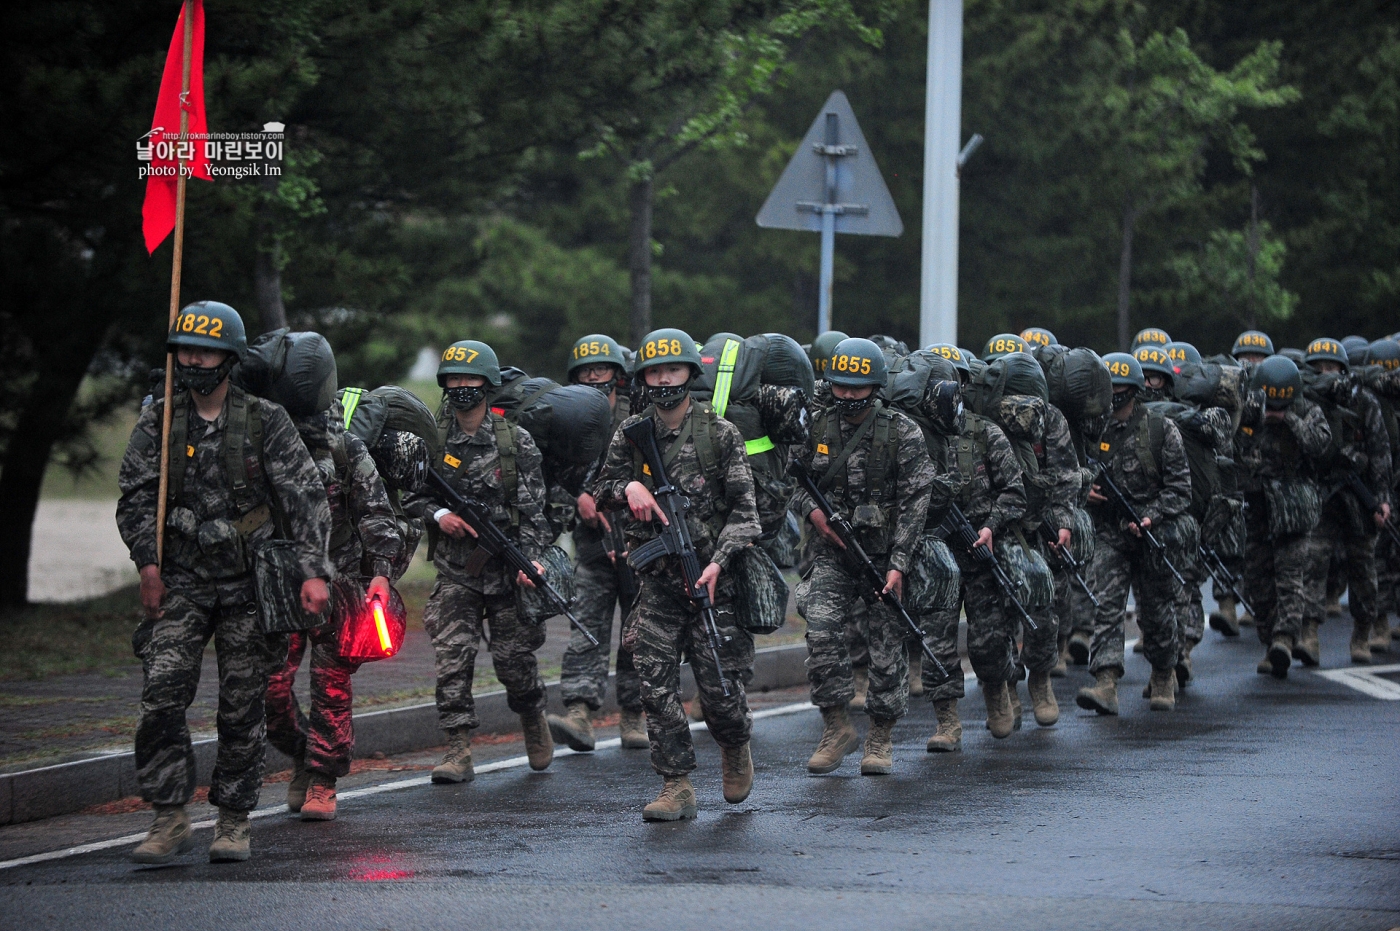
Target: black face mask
column 201, row 380
column 667, row 397
column 1154, row 394
column 465, row 398
column 1122, row 399
column 944, row 407
column 604, row 386
column 850, row 407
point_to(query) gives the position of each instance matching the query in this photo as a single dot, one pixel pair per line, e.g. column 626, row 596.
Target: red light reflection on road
column 377, row 869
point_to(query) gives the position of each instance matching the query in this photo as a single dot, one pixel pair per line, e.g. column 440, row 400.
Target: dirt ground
column 77, row 552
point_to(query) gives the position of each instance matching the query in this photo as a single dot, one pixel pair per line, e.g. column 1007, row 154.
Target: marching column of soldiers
column 1030, row 491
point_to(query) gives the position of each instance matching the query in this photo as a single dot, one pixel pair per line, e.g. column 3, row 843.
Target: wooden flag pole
column 175, row 267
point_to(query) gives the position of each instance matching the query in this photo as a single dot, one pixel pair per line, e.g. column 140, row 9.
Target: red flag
column 158, row 212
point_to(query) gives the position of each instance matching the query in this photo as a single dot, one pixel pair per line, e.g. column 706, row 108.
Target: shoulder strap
column 724, row 376
column 834, row 433
column 244, row 421
column 510, row 476
column 706, row 425
column 1150, row 435
column 180, row 449
column 879, row 467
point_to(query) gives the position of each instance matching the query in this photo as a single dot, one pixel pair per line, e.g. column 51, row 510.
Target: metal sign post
column 938, row 290
column 832, row 185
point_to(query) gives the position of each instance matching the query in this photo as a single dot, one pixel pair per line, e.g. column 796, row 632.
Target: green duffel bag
column 533, row 605
column 760, row 591
column 1292, row 506
column 934, row 580
column 1027, row 570
column 278, row 576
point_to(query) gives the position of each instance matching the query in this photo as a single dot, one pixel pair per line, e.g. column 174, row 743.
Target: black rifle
column 858, row 558
column 492, row 541
column 615, row 543
column 673, row 538
column 1115, row 494
column 1073, row 566
column 1369, row 502
column 957, row 527
column 1223, row 576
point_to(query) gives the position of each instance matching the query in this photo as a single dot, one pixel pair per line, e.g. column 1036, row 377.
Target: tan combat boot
column 1013, row 690
column 1334, row 605
column 948, row 737
column 1102, row 696
column 1079, row 643
column 1047, row 710
column 862, row 682
column 296, row 789
column 676, row 801
column 1183, row 664
column 231, row 843
column 1361, row 644
column 738, row 773
column 999, row 719
column 633, row 727
column 1061, row 667
column 1163, row 690
column 916, row 670
column 1280, row 656
column 456, row 766
column 1246, row 619
column 169, row 836
column 320, row 800
column 1308, row 649
column 1223, row 620
column 839, row 738
column 539, row 746
column 574, row 728
column 1266, row 665
column 879, row 748
column 1380, row 634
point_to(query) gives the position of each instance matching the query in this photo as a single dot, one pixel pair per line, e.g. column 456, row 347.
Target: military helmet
column 1252, row 342
column 1003, row 344
column 597, row 349
column 856, row 361
column 1123, row 369
column 1153, row 358
column 1298, row 356
column 1180, row 352
column 1280, row 381
column 1151, row 336
column 1039, row 336
column 211, row 325
column 1385, row 353
column 1326, row 350
column 822, row 347
column 469, row 357
column 1355, row 348
column 953, row 354
column 665, row 346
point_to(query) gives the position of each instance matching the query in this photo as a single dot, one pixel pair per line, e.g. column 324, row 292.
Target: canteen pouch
column 1028, row 572
column 278, row 576
column 222, row 551
column 934, row 578
column 534, row 607
column 760, row 592
column 1292, row 506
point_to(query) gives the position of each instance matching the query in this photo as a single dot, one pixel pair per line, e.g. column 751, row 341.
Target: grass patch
column 61, row 639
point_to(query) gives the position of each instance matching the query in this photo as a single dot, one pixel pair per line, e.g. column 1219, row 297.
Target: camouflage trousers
column 1121, row 561
column 585, row 673
column 663, row 629
column 1275, row 578
column 1040, row 649
column 171, row 651
column 991, row 633
column 454, row 618
column 1072, row 606
column 858, row 634
column 824, row 598
column 1188, row 604
column 325, row 740
column 1387, row 578
column 1333, row 536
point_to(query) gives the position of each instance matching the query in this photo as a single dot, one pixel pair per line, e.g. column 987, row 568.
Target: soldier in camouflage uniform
column 497, row 463
column 1384, row 354
column 873, row 465
column 232, row 457
column 1282, row 436
column 708, row 463
column 1360, row 447
column 598, row 360
column 364, row 545
column 1145, row 456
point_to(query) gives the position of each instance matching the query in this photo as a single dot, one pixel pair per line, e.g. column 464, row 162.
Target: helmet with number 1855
column 855, row 362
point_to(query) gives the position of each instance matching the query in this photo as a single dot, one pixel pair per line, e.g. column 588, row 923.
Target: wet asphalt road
column 1257, row 804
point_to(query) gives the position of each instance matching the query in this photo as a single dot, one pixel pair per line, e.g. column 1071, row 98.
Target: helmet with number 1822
column 210, row 325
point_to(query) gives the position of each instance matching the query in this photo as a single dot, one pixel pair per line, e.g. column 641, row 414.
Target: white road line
column 1366, row 680
column 393, row 786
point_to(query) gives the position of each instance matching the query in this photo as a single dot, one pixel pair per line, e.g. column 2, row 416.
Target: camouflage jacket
column 1157, row 482
column 993, row 492
column 722, row 517
column 1360, row 444
column 284, row 477
column 1288, row 449
column 782, row 412
column 478, row 476
column 364, row 536
column 590, row 540
column 910, row 483
column 1052, row 487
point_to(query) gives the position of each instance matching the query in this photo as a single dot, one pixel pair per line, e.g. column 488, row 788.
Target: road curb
column 32, row 794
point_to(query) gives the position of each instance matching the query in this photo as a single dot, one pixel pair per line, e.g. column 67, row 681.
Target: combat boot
column 1280, row 656
column 1013, row 691
column 633, row 727
column 1380, row 635
column 999, row 719
column 1102, row 696
column 738, row 773
column 948, row 737
column 1334, row 605
column 1246, row 619
column 1361, row 644
column 1047, row 709
column 1061, row 667
column 320, row 800
column 1308, row 649
column 539, row 746
column 296, row 789
column 456, row 766
column 1266, row 665
column 1223, row 620
column 1183, row 663
column 169, row 836
column 861, row 677
column 1079, row 643
column 574, row 728
column 916, row 671
column 878, row 759
column 231, row 843
column 675, row 803
column 839, row 738
column 1163, row 690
